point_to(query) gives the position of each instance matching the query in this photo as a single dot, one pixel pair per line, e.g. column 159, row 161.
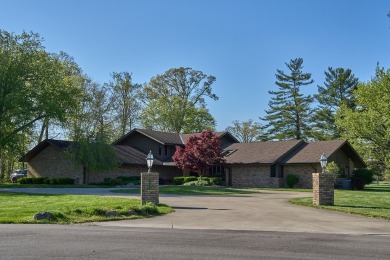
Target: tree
column 367, row 126
column 126, row 101
column 246, row 131
column 93, row 154
column 35, row 86
column 172, row 98
column 338, row 89
column 289, row 113
column 200, row 153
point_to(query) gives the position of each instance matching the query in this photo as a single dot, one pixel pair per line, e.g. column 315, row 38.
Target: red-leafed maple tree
column 200, row 153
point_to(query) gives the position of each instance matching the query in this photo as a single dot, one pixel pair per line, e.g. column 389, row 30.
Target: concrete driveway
column 262, row 211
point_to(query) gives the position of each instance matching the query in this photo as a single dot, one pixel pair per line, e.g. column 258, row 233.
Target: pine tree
column 289, row 113
column 337, row 90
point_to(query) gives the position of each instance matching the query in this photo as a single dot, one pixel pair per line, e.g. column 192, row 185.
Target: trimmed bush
column 178, row 180
column 65, row 181
column 26, row 180
column 205, row 180
column 361, row 177
column 190, row 178
column 292, row 180
column 216, row 180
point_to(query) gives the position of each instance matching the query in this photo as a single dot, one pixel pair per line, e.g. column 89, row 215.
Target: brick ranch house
column 258, row 164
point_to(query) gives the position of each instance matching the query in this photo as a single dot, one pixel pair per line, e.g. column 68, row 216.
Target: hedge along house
column 258, row 164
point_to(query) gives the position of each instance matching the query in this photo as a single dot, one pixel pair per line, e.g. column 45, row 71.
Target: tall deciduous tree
column 35, row 86
column 289, row 112
column 367, row 126
column 337, row 90
column 246, row 131
column 174, row 96
column 200, row 153
column 126, row 101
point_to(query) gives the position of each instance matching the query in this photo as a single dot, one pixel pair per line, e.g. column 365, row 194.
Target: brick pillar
column 323, row 189
column 149, row 187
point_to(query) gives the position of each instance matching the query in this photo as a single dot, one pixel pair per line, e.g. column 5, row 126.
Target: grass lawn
column 18, row 185
column 373, row 201
column 21, row 207
column 190, row 190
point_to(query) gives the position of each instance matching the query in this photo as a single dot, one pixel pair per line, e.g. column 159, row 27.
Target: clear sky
column 240, row 42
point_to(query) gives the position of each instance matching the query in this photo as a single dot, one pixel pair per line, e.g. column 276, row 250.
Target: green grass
column 285, row 189
column 373, row 201
column 18, row 185
column 190, row 190
column 21, row 207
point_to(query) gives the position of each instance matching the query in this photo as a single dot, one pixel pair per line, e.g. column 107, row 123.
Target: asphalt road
column 97, row 242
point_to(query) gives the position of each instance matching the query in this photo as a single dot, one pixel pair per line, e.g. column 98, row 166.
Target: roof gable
column 311, row 152
column 59, row 144
column 163, row 138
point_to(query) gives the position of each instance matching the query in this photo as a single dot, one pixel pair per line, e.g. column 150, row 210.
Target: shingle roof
column 259, row 152
column 129, row 155
column 184, row 137
column 160, row 137
column 311, row 152
column 59, row 144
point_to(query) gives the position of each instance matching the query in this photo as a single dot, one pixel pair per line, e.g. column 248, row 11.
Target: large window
column 217, row 171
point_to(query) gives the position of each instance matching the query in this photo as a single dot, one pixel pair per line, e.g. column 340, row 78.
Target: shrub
column 361, row 177
column 205, row 180
column 190, row 178
column 178, row 180
column 25, row 180
column 216, row 181
column 332, row 168
column 65, row 181
column 292, row 180
column 46, row 181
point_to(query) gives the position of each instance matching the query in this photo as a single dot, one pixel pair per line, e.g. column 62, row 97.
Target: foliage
column 246, row 131
column 289, row 110
column 71, row 208
column 35, row 87
column 361, row 177
column 183, row 179
column 200, row 153
column 292, row 180
column 332, row 168
column 126, row 104
column 93, row 155
column 367, row 126
column 337, row 90
column 175, row 101
column 43, row 180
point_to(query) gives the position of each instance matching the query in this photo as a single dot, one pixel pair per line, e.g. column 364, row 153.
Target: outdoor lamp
column 324, row 162
column 149, row 160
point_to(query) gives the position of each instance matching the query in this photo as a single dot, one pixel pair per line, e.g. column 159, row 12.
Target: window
column 166, row 150
column 273, row 170
column 159, row 150
column 281, row 171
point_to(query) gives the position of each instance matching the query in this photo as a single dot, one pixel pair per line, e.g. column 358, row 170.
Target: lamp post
column 149, row 160
column 324, row 162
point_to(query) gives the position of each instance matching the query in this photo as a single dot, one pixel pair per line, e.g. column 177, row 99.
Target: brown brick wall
column 323, row 189
column 253, row 176
column 304, row 172
column 52, row 163
column 150, row 187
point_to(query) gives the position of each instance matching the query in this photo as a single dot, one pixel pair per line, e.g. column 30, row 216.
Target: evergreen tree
column 337, row 90
column 289, row 113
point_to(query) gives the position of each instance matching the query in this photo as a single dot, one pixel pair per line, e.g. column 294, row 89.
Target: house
column 259, row 164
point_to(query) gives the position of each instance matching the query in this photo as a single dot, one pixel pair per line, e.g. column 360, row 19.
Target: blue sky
column 241, row 42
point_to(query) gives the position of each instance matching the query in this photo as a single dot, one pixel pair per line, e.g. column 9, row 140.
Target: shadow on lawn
column 360, row 207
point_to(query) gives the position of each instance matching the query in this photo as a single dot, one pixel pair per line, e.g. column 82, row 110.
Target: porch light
column 149, row 160
column 324, row 162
